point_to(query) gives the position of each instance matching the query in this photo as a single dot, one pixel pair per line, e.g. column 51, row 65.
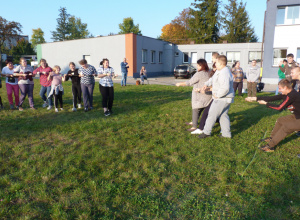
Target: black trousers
column 239, row 86
column 56, row 98
column 76, row 90
column 107, row 96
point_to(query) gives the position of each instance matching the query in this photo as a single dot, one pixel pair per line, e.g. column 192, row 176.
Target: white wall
column 287, row 37
column 61, row 53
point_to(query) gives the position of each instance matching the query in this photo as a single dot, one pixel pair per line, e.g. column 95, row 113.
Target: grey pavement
column 171, row 81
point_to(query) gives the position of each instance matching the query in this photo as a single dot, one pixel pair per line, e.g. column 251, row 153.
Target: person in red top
column 287, row 124
column 44, row 71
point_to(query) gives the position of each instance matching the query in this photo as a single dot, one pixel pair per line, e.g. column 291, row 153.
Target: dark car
column 184, row 70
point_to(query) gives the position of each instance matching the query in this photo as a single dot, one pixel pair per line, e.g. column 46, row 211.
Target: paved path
column 168, row 80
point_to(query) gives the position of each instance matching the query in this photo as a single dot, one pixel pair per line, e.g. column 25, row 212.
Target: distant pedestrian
column 288, row 68
column 253, row 73
column 106, row 86
column 124, row 70
column 87, row 81
column 281, row 74
column 44, row 70
column 11, row 84
column 143, row 74
column 238, row 77
column 76, row 88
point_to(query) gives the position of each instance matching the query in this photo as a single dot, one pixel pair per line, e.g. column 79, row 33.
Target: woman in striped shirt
column 87, row 81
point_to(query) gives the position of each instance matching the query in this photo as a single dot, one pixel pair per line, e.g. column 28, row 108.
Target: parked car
column 184, row 70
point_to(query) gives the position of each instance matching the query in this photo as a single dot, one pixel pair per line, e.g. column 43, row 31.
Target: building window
column 255, row 55
column 185, row 57
column 208, row 56
column 288, row 15
column 194, row 57
column 280, row 16
column 279, row 55
column 160, row 56
column 144, row 56
column 298, row 55
column 233, row 56
column 152, row 56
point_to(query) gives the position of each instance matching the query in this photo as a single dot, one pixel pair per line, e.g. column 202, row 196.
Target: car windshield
column 181, row 68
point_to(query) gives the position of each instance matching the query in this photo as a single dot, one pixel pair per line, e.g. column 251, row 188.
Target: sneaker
column 298, row 133
column 267, row 148
column 110, row 111
column 91, row 108
column 56, row 109
column 203, row 135
column 86, row 109
column 79, row 105
column 45, row 104
column 268, row 139
column 107, row 113
column 17, row 107
column 33, row 108
column 61, row 109
column 197, row 131
column 20, row 108
column 12, row 107
column 221, row 136
column 299, row 155
column 74, row 109
column 49, row 107
column 191, row 129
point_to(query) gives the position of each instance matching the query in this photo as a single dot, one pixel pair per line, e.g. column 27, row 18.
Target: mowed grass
column 141, row 163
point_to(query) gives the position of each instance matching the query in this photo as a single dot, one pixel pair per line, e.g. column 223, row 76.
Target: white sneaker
column 61, row 109
column 197, row 131
column 74, row 109
column 56, row 109
column 45, row 104
column 79, row 105
column 49, row 107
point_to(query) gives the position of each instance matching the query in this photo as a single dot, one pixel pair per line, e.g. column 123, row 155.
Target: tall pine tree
column 204, row 23
column 237, row 24
column 63, row 26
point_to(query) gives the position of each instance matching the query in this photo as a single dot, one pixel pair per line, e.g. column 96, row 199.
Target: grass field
column 141, row 163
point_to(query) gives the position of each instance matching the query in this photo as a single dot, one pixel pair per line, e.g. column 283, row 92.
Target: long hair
column 203, row 64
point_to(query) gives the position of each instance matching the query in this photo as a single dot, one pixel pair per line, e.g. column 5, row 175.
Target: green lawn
column 141, row 163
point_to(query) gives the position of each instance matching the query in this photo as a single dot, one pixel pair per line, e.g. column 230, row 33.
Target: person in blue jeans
column 124, row 70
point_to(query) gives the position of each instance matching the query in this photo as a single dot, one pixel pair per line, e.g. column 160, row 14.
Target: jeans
column 124, row 79
column 143, row 77
column 42, row 94
column 26, row 89
column 87, row 93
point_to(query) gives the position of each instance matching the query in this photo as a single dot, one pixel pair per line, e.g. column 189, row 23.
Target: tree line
column 204, row 22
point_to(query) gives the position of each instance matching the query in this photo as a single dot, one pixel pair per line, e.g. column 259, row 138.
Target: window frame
column 160, row 54
column 183, row 56
column 281, row 58
column 258, row 60
column 144, row 56
column 153, row 56
column 233, row 60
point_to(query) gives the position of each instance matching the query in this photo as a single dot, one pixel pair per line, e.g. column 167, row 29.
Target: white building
column 159, row 57
column 282, row 31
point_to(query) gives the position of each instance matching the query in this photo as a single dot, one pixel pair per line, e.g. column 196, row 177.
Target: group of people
column 214, row 91
column 83, row 82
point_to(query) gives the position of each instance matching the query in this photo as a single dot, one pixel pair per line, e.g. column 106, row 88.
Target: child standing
column 56, row 87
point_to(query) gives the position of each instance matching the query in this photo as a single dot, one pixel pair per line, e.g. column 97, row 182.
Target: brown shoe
column 20, row 108
column 267, row 148
column 189, row 123
column 191, row 129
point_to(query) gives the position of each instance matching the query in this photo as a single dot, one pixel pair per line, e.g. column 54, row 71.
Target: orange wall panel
column 130, row 52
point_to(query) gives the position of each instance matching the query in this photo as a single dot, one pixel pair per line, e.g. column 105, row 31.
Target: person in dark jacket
column 284, row 125
column 76, row 88
column 288, row 68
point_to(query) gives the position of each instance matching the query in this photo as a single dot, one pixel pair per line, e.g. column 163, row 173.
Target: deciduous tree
column 78, row 30
column 177, row 31
column 237, row 24
column 23, row 47
column 204, row 23
column 9, row 32
column 128, row 27
column 37, row 37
